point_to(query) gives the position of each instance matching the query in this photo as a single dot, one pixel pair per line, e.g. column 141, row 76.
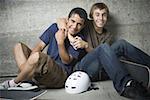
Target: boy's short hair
column 80, row 11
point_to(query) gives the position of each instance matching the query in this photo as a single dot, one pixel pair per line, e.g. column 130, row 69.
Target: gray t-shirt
column 94, row 38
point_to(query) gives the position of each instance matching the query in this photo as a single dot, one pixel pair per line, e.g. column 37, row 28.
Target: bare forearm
column 65, row 57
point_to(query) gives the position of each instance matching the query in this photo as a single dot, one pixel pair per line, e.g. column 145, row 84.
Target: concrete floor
column 105, row 92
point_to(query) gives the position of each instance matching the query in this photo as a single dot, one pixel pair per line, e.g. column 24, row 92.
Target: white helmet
column 77, row 82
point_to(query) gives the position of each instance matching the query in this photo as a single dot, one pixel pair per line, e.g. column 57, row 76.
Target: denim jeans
column 104, row 57
column 107, row 57
column 124, row 49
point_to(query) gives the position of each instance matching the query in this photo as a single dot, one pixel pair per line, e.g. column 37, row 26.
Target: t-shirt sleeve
column 49, row 33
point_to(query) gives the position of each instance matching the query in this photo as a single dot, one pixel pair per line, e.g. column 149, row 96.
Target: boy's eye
column 97, row 14
column 104, row 14
column 73, row 21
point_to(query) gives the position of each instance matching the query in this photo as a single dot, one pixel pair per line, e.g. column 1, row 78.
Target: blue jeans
column 106, row 57
column 124, row 49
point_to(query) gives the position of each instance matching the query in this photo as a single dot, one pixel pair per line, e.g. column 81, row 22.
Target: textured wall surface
column 25, row 20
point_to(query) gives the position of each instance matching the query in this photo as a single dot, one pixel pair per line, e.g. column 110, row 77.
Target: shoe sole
column 23, row 88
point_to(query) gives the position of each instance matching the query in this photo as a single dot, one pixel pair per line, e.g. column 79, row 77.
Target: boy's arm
column 39, row 47
column 62, row 23
column 85, row 45
column 77, row 42
column 64, row 55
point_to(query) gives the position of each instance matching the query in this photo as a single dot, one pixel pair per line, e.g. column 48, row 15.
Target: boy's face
column 100, row 17
column 75, row 24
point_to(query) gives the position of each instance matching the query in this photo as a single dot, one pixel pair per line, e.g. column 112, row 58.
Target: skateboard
column 21, row 94
column 24, row 91
column 139, row 72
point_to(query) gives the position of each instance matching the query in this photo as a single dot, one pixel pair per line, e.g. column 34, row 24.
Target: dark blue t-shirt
column 48, row 37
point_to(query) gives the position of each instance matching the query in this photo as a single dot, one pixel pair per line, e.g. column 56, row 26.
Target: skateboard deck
column 21, row 94
column 140, row 72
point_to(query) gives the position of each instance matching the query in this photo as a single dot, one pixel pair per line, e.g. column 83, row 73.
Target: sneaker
column 11, row 85
column 24, row 86
column 136, row 91
column 7, row 84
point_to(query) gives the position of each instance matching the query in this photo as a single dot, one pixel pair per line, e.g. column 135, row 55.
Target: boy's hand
column 60, row 36
column 62, row 23
column 79, row 43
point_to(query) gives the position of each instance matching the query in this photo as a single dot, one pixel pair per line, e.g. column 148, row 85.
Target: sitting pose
column 50, row 70
column 103, row 56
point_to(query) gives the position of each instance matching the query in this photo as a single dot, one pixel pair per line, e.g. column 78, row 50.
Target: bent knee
column 104, row 47
column 17, row 47
column 34, row 58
